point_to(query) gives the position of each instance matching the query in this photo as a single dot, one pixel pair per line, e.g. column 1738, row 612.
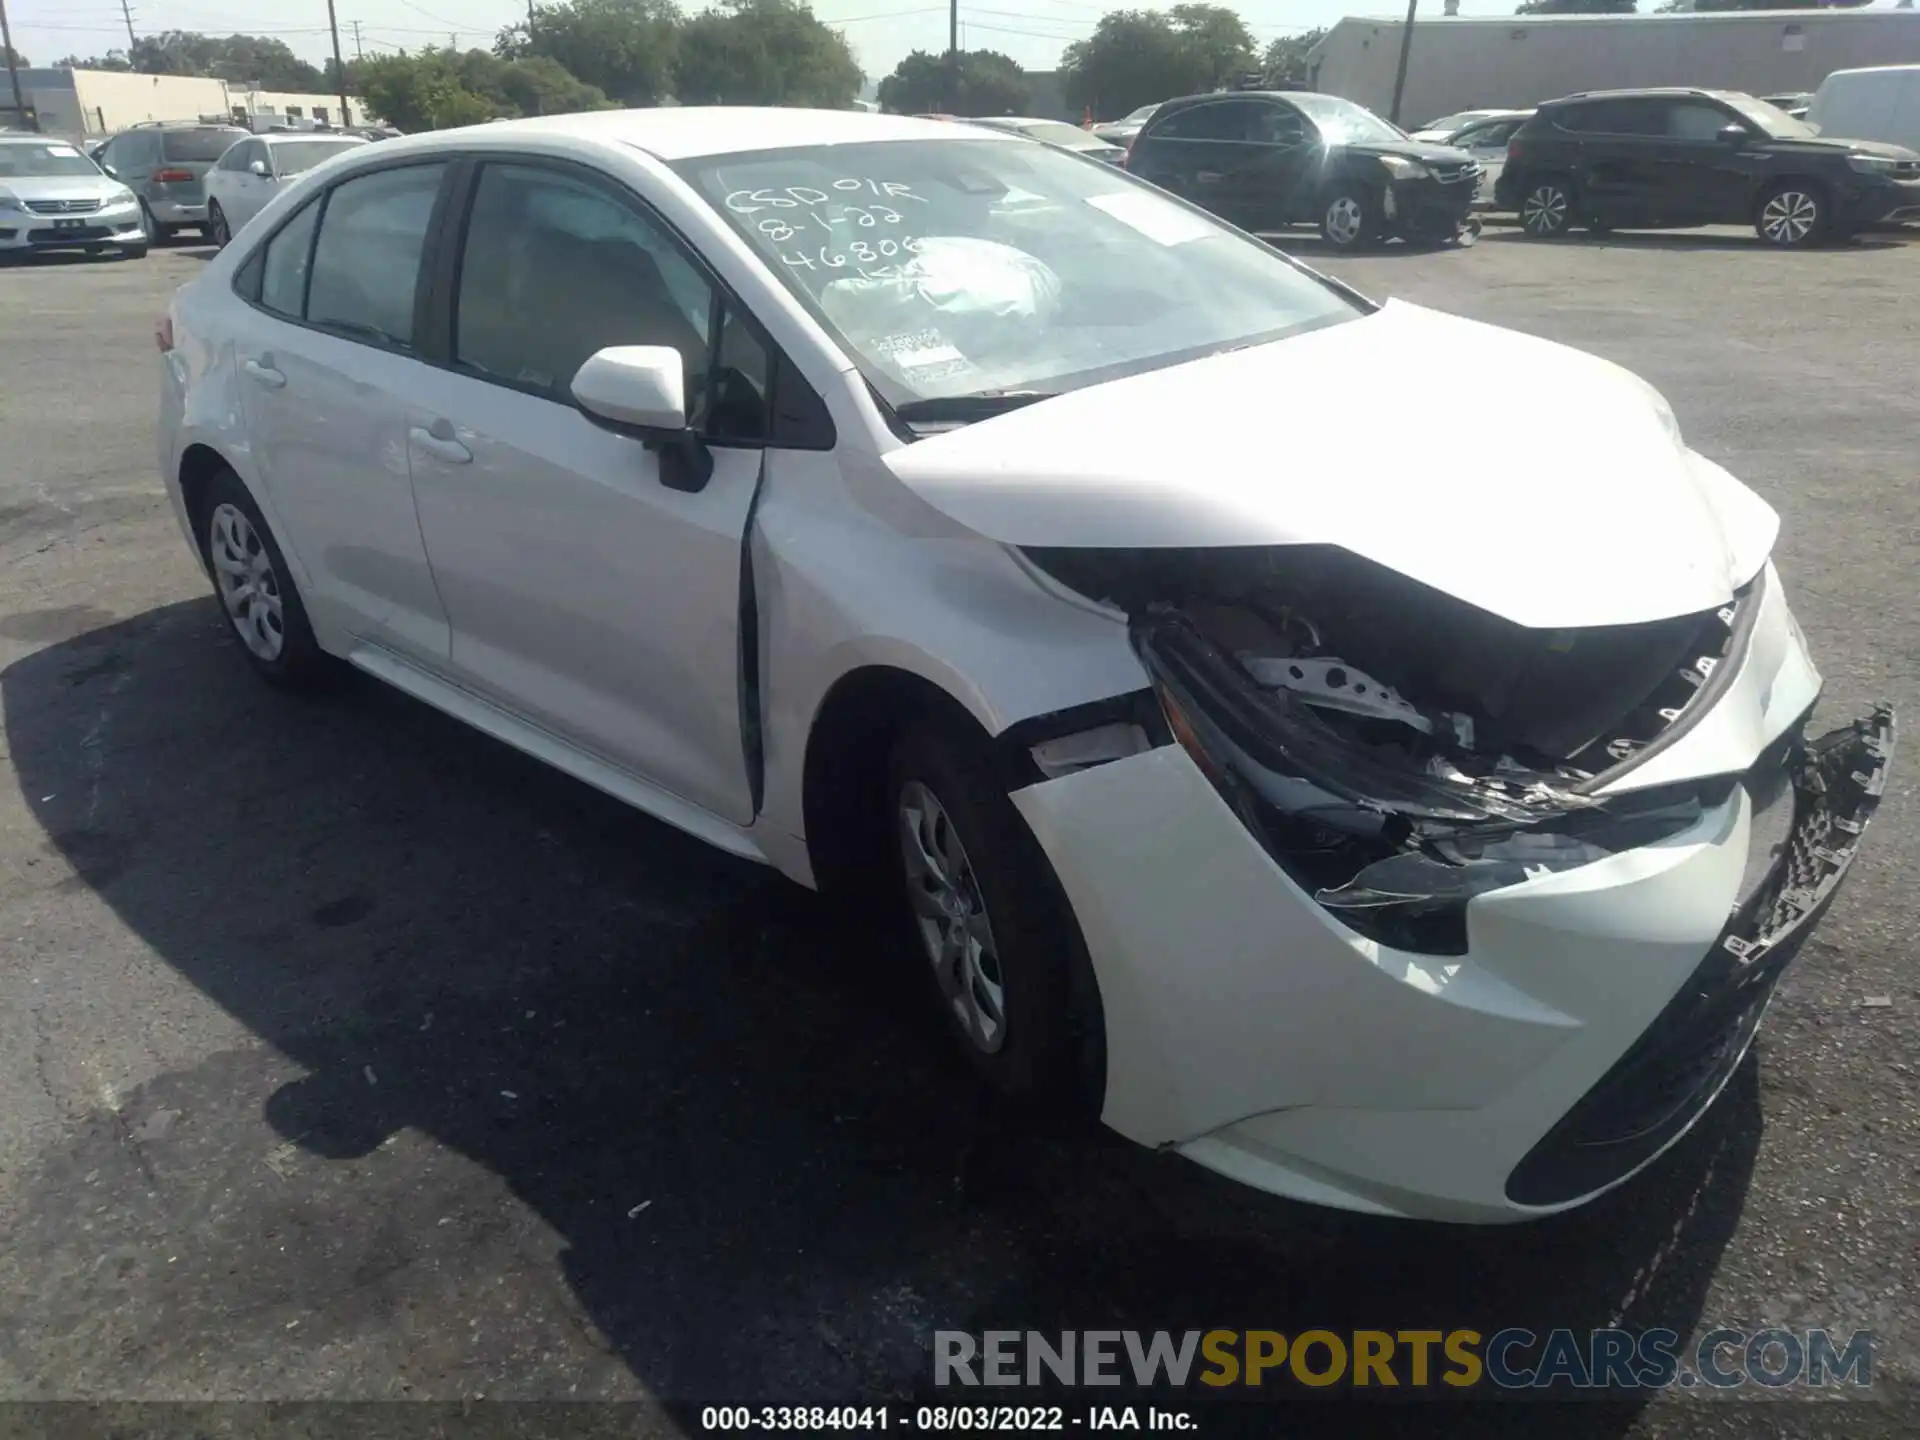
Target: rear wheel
column 217, row 230
column 254, row 587
column 1546, row 208
column 1792, row 215
column 998, row 943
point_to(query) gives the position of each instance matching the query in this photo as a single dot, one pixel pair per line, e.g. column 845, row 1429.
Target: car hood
column 1426, row 152
column 1577, row 506
column 61, row 187
column 1840, row 145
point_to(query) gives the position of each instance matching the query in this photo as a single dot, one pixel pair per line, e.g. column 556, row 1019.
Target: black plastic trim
column 1015, row 743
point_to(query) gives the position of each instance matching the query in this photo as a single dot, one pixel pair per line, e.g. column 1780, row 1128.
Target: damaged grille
column 1454, row 174
column 1678, row 1065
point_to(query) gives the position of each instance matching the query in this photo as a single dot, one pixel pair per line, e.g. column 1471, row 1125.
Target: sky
column 881, row 31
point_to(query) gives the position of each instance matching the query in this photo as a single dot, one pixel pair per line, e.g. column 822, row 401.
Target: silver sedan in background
column 252, row 171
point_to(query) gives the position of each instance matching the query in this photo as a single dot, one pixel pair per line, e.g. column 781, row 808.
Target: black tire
column 217, row 230
column 1050, row 1055
column 1546, row 207
column 1349, row 216
column 298, row 663
column 157, row 234
column 1793, row 215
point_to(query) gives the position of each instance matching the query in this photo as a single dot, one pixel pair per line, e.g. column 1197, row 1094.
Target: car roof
column 683, row 132
column 290, row 137
column 1648, row 92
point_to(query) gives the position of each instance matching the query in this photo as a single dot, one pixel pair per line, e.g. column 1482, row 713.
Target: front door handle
column 264, row 372
column 442, row 446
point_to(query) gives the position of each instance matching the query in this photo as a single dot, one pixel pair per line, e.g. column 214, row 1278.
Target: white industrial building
column 1474, row 62
column 79, row 103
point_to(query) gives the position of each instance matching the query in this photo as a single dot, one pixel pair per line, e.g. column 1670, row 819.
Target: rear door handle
column 265, row 373
column 443, row 446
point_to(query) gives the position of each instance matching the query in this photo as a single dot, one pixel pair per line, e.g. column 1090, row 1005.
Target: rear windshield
column 295, row 157
column 188, row 146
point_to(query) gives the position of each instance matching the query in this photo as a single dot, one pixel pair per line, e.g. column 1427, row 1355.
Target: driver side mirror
column 1734, row 134
column 258, row 167
column 640, row 390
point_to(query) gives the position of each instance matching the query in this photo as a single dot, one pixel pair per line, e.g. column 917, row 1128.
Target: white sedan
column 252, row 171
column 895, row 504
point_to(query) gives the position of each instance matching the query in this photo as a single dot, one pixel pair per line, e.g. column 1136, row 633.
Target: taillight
column 172, row 177
column 163, row 333
column 1513, row 149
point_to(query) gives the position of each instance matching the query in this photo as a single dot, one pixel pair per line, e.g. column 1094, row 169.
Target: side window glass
column 1625, row 117
column 735, row 407
column 283, row 276
column 1688, row 121
column 1219, row 121
column 1279, row 125
column 366, row 265
column 555, row 268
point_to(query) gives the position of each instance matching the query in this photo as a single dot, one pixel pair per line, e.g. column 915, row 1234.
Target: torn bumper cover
column 1675, row 1069
column 1363, row 948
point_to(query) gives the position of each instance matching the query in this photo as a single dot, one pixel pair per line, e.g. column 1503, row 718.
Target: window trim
column 435, row 346
column 412, row 350
column 1215, row 102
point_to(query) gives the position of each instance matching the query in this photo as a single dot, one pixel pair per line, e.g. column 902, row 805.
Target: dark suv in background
column 166, row 166
column 1660, row 159
column 1265, row 160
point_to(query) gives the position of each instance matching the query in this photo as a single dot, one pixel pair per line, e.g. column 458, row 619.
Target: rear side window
column 1612, row 117
column 186, row 147
column 283, row 275
column 366, row 262
column 1224, row 120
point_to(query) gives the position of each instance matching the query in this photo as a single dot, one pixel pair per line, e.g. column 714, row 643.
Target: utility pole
column 339, row 66
column 953, row 57
column 1400, row 75
column 13, row 73
column 127, row 14
column 358, row 53
column 529, row 23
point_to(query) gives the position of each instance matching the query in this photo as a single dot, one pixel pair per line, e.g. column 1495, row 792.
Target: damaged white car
column 967, row 526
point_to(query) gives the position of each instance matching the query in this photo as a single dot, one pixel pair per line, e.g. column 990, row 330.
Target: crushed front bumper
column 1594, row 1016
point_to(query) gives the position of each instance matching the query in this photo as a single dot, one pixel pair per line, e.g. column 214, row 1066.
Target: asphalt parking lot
column 346, row 1054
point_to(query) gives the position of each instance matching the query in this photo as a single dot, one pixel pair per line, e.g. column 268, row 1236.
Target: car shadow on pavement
column 593, row 1109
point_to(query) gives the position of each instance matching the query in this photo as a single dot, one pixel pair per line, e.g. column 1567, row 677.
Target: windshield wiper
column 965, row 409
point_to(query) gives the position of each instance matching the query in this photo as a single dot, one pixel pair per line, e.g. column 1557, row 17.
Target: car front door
column 1487, row 143
column 1703, row 178
column 322, row 362
column 1278, row 186
column 585, row 593
column 249, row 192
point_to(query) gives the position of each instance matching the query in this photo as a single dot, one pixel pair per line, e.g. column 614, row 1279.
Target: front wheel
column 217, row 230
column 1349, row 217
column 1546, row 210
column 1792, row 216
column 994, row 935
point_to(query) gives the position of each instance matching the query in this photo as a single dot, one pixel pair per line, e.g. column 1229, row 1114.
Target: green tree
column 9, row 55
column 990, row 84
column 440, row 89
column 763, row 52
column 1286, row 58
column 112, row 60
column 1777, row 4
column 1135, row 57
column 1575, row 7
column 624, row 47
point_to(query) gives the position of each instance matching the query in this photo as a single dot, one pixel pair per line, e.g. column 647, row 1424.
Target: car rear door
column 584, row 592
column 323, row 358
column 248, row 192
column 1205, row 152
column 1616, row 159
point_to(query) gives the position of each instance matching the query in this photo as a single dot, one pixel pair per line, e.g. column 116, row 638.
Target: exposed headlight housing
column 1401, row 168
column 1873, row 164
column 1384, row 827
